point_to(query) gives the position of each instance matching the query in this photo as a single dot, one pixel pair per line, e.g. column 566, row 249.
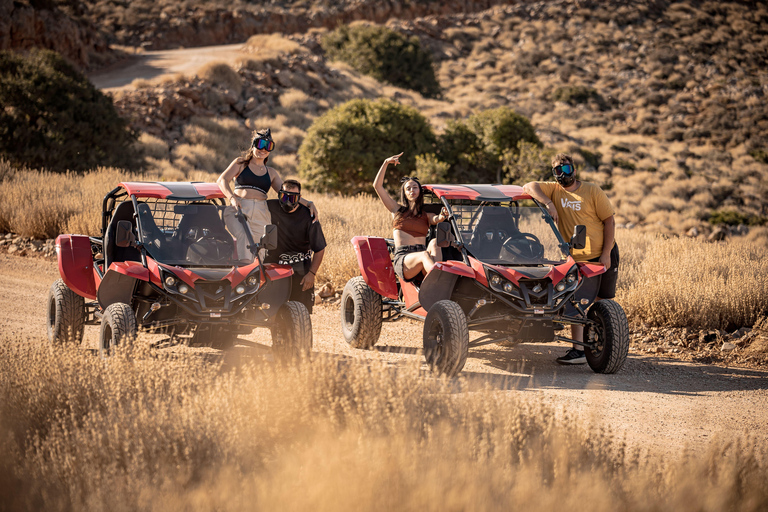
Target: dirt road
column 655, row 404
column 148, row 65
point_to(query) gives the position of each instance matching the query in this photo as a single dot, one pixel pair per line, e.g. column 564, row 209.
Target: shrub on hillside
column 54, row 118
column 384, row 54
column 476, row 150
column 344, row 147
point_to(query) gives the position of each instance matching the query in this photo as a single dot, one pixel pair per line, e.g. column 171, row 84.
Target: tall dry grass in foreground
column 663, row 281
column 147, row 433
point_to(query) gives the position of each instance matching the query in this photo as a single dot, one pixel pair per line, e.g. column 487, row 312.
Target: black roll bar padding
column 452, row 219
column 105, row 212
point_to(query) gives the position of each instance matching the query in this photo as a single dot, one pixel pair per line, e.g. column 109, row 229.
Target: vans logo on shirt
column 573, row 205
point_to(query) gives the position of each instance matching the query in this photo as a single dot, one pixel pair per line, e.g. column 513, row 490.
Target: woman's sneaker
column 573, row 356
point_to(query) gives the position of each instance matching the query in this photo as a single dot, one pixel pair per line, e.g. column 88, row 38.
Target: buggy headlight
column 240, row 289
column 253, row 280
column 509, row 287
column 170, row 281
column 496, row 280
column 573, row 275
column 560, row 286
column 183, row 288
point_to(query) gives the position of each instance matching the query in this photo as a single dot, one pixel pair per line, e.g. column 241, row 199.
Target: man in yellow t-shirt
column 571, row 202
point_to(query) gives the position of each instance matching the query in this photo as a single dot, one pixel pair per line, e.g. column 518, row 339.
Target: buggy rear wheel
column 118, row 325
column 610, row 332
column 360, row 314
column 446, row 338
column 292, row 332
column 66, row 314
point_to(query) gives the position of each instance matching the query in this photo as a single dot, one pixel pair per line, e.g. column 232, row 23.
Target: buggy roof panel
column 479, row 192
column 179, row 191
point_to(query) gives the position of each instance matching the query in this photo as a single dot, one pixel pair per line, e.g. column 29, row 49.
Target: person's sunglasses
column 288, row 197
column 563, row 170
column 407, row 178
column 265, row 144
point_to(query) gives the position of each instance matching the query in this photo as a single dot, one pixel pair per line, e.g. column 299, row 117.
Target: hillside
column 662, row 103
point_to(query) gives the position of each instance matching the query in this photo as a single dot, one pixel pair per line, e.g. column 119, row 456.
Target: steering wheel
column 220, row 238
column 524, row 245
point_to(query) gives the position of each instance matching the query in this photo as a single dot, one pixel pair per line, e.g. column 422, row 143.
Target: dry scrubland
column 662, row 104
column 140, row 432
column 664, row 281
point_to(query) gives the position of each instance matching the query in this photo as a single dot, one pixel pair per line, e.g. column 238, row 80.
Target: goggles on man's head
column 563, row 170
column 266, row 144
column 286, row 197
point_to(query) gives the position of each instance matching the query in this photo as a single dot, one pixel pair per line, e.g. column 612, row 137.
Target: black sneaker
column 573, row 356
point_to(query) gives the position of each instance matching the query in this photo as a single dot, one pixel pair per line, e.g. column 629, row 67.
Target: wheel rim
column 599, row 339
column 349, row 312
column 434, row 342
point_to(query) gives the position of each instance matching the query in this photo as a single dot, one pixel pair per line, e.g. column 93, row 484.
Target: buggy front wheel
column 446, row 338
column 118, row 326
column 609, row 331
column 292, row 332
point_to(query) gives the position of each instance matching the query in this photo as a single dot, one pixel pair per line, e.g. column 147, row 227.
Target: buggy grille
column 538, row 291
column 213, row 295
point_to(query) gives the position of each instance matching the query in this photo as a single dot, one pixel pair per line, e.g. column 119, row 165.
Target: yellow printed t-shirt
column 588, row 205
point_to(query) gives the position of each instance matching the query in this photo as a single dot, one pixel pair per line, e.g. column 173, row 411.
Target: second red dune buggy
column 166, row 263
column 506, row 273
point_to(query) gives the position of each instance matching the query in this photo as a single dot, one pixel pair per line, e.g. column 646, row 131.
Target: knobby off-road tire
column 611, row 332
column 360, row 314
column 118, row 326
column 446, row 338
column 66, row 314
column 292, row 333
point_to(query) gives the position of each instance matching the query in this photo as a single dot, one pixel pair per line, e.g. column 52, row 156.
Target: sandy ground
column 149, row 65
column 655, row 404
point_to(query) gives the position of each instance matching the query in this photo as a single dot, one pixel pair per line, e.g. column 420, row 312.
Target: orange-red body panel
column 76, row 264
column 376, row 265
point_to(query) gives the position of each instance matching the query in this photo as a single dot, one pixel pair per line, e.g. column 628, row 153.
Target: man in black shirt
column 300, row 241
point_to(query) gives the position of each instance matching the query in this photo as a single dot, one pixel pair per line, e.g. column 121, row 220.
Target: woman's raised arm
column 378, row 184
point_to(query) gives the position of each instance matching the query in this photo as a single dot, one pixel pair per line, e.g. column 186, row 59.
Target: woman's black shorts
column 400, row 253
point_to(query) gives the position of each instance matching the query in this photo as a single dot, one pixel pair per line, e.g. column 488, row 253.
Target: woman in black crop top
column 409, row 223
column 252, row 179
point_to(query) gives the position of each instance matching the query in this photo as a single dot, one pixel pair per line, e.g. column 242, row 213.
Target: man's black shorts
column 608, row 279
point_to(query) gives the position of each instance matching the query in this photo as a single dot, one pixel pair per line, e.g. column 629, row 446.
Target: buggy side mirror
column 579, row 238
column 269, row 238
column 444, row 235
column 124, row 236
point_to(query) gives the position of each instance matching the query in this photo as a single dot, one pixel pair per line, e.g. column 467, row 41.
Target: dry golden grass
column 221, row 74
column 138, row 432
column 684, row 282
column 270, row 46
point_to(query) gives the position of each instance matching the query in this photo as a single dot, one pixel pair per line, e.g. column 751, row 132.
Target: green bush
column 385, row 55
column 575, row 94
column 345, row 147
column 53, row 118
column 530, row 162
column 476, row 150
column 733, row 218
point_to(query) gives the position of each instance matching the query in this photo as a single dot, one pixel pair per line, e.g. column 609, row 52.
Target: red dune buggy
column 165, row 263
column 506, row 273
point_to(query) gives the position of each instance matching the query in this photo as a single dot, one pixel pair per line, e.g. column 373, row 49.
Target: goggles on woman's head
column 290, row 198
column 563, row 170
column 265, row 144
column 408, row 178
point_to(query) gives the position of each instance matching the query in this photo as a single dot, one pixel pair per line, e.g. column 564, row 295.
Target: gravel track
column 654, row 404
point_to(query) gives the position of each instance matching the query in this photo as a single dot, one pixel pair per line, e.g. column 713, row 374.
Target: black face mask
column 288, row 200
column 565, row 174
